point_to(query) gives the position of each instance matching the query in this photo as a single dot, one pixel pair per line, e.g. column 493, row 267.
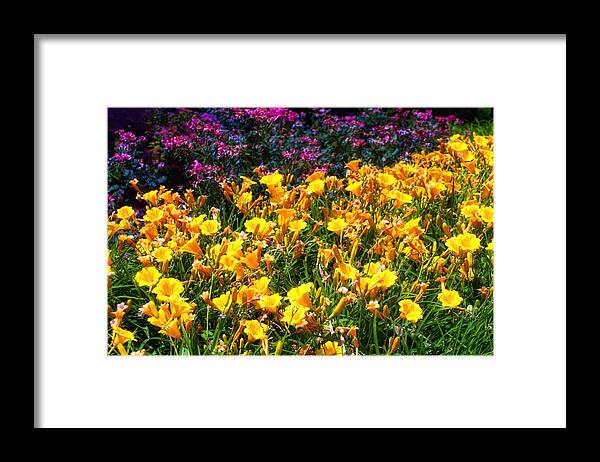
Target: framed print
column 375, row 227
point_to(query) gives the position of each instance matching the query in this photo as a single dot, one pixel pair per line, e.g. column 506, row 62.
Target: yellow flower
column 372, row 267
column 210, row 227
column 214, row 252
column 148, row 276
column 150, row 231
column 223, row 302
column 463, row 243
column 234, row 248
column 316, row 187
column 294, row 315
column 122, row 336
column 168, row 288
column 229, row 263
column 258, row 226
column 247, row 181
column 244, row 199
column 274, row 179
column 151, row 197
column 386, row 180
column 481, row 140
column 449, row 298
column 353, row 165
column 270, row 302
column 180, row 308
column 355, row 187
column 403, row 198
column 331, row 348
column 487, row 214
column 163, row 254
column 255, row 330
column 490, row 246
column 252, row 259
column 365, row 284
column 168, row 197
column 285, row 215
column 412, row 227
column 124, row 213
column 149, row 309
column 300, row 295
column 171, row 329
column 410, row 311
column 316, row 175
column 347, row 271
column 467, row 157
column 398, row 197
column 246, row 295
column 297, row 225
column 153, row 215
column 435, row 188
column 337, row 225
column 385, row 279
column 192, row 247
column 162, row 316
column 261, row 285
column 276, row 194
column 459, row 146
column 194, row 224
column 171, row 209
column 470, row 210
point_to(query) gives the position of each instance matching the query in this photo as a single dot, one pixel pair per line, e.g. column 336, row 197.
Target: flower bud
column 386, row 310
column 395, row 345
column 339, row 307
column 279, row 348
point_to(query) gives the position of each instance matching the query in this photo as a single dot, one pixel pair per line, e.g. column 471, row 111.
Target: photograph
column 320, row 214
column 300, row 231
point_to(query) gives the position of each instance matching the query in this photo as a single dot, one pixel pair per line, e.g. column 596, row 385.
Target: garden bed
column 273, row 231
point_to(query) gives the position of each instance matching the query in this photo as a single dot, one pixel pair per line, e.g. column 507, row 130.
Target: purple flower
column 309, row 155
column 121, row 156
column 269, row 115
column 177, row 141
column 426, row 115
column 199, row 172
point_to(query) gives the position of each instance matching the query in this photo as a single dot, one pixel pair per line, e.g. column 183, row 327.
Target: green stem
column 375, row 334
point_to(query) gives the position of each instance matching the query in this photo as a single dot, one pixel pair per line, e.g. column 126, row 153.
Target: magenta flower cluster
column 126, row 143
column 198, row 148
column 269, row 115
column 199, row 172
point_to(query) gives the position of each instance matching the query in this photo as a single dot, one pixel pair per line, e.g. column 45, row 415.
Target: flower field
column 259, row 232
